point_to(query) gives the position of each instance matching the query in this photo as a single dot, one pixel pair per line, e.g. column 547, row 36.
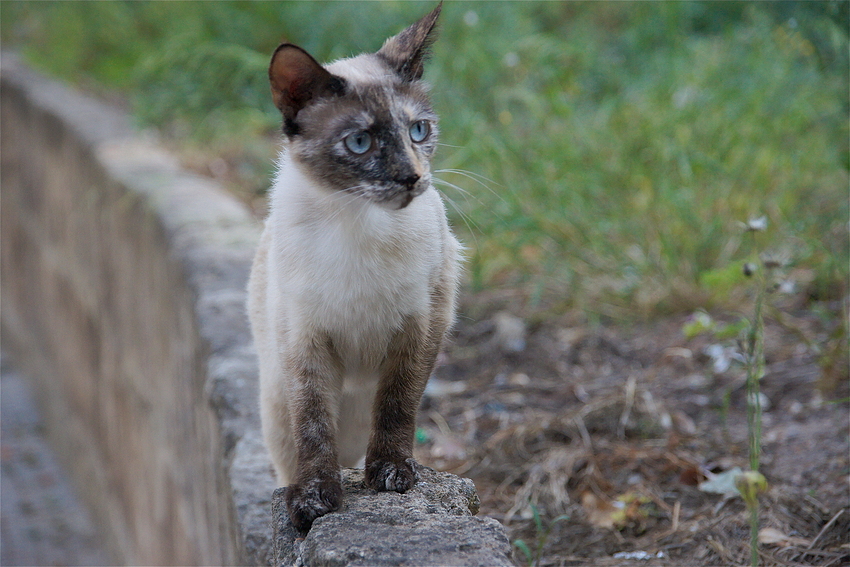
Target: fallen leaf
column 683, row 424
column 723, row 483
column 772, row 536
column 599, row 511
column 626, row 509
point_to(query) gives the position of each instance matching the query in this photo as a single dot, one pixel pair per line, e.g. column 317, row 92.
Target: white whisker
column 461, row 190
column 477, row 178
column 464, row 192
column 470, row 174
column 465, row 218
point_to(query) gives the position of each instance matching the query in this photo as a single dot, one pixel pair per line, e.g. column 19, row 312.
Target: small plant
column 749, row 352
column 542, row 532
column 752, row 483
column 754, row 362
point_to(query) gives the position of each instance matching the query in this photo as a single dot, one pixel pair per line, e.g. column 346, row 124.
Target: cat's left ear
column 407, row 51
column 297, row 79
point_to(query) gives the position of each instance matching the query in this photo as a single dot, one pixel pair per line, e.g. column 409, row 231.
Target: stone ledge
column 432, row 524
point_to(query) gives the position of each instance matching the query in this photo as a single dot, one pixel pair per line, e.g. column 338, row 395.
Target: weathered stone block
column 432, row 524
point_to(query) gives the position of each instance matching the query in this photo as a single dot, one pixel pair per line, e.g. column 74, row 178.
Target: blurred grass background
column 603, row 154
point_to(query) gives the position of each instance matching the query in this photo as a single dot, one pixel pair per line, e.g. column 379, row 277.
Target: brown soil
column 614, row 428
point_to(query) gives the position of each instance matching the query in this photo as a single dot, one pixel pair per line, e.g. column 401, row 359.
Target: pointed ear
column 407, row 51
column 296, row 79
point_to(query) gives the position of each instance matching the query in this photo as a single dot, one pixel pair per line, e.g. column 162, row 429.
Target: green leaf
column 537, row 521
column 731, row 330
column 699, row 323
column 522, row 546
column 720, row 282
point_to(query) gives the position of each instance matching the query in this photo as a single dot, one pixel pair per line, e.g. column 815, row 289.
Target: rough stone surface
column 432, row 524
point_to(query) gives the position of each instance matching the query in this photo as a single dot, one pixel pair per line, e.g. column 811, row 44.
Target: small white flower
column 757, row 224
column 722, row 357
column 470, row 18
column 787, row 286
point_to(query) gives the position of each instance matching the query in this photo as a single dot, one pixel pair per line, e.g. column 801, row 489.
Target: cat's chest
column 362, row 271
column 366, row 269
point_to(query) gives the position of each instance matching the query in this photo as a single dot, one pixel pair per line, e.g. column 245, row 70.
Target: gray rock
column 510, row 332
column 432, row 524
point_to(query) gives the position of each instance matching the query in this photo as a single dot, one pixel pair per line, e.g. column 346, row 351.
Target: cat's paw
column 399, row 476
column 316, row 497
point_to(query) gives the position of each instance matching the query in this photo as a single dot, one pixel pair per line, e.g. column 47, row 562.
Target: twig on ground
column 825, row 528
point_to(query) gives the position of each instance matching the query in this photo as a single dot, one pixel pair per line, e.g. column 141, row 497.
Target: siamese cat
column 353, row 286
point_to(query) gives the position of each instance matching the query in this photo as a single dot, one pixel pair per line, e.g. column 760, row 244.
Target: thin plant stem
column 754, row 535
column 755, row 372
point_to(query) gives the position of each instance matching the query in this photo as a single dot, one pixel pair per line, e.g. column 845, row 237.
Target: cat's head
column 362, row 125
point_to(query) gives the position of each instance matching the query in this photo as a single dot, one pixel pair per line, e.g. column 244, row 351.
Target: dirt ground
column 592, row 445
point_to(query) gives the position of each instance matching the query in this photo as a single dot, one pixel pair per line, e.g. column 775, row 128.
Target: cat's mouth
column 396, row 196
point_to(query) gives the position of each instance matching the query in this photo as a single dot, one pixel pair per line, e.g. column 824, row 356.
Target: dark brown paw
column 316, row 497
column 383, row 475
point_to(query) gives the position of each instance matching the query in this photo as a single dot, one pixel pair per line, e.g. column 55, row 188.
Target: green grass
column 619, row 144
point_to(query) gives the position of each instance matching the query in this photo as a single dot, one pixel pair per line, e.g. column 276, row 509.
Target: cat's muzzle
column 399, row 195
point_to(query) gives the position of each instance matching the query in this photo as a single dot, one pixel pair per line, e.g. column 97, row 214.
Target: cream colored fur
column 334, row 263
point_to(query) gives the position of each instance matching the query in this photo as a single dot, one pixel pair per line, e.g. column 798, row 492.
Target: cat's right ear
column 296, row 80
column 407, row 51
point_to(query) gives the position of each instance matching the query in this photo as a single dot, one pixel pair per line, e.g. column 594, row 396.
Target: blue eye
column 419, row 130
column 358, row 143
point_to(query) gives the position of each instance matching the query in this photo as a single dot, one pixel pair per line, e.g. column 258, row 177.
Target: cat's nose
column 410, row 180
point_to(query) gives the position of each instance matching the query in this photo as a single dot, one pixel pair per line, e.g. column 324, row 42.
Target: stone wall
column 123, row 293
column 123, row 289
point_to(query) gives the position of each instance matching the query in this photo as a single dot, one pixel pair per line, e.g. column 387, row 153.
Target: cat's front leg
column 389, row 458
column 317, row 489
